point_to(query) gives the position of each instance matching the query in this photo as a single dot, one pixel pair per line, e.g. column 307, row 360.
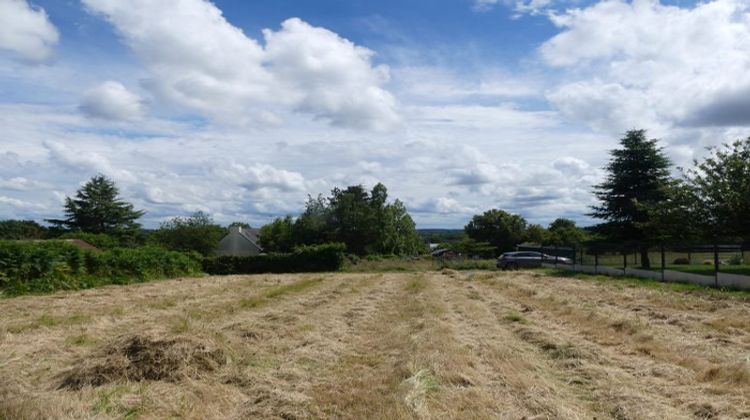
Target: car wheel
column 512, row 266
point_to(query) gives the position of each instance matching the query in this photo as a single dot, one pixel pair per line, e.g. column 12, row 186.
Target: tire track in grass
column 632, row 382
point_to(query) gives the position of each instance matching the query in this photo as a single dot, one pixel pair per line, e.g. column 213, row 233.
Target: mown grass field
column 419, row 344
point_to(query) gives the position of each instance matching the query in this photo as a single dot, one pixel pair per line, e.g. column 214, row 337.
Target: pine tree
column 638, row 177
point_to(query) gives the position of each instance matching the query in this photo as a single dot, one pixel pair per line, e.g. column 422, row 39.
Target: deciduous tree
column 720, row 184
column 197, row 232
column 499, row 228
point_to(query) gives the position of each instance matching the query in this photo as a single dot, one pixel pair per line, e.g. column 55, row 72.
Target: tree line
column 642, row 203
column 364, row 221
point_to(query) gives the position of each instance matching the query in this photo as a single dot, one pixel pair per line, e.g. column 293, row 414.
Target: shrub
column 197, row 233
column 312, row 258
column 681, row 261
column 32, row 267
column 99, row 240
column 141, row 263
column 21, row 229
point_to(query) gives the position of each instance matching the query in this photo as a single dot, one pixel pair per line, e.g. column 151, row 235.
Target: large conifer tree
column 637, row 178
column 96, row 208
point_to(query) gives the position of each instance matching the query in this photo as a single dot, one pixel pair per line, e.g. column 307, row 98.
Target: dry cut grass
column 430, row 344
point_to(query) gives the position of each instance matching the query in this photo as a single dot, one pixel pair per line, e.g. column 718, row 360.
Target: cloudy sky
column 243, row 108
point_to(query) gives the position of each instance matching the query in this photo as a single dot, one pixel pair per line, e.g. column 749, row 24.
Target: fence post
column 581, row 255
column 555, row 256
column 596, row 262
column 716, row 265
column 663, row 259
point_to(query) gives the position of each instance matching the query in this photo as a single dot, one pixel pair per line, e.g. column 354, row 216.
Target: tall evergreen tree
column 96, row 208
column 637, row 177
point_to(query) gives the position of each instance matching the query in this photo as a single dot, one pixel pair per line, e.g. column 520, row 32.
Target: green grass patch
column 54, row 321
column 275, row 292
column 386, row 264
column 516, row 317
column 708, row 270
column 251, row 302
column 630, row 281
column 415, row 284
column 292, row 287
column 80, row 340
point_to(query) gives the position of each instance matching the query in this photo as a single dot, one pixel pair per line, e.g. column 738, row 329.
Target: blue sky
column 241, row 109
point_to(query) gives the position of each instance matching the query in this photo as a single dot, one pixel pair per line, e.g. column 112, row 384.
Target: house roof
column 251, row 235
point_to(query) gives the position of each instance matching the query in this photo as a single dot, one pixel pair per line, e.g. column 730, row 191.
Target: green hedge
column 36, row 267
column 326, row 257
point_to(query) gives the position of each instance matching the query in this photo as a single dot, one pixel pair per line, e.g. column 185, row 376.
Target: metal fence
column 723, row 265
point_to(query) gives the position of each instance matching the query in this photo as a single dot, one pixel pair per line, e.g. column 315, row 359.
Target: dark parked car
column 527, row 259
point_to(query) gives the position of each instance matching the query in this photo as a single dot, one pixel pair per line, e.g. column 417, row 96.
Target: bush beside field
column 313, row 258
column 38, row 267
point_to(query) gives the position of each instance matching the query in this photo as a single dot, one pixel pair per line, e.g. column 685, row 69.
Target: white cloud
column 571, row 166
column 112, row 101
column 20, row 183
column 26, row 31
column 329, row 76
column 520, row 6
column 86, row 160
column 199, row 60
column 644, row 64
column 258, row 175
column 439, row 85
column 443, row 205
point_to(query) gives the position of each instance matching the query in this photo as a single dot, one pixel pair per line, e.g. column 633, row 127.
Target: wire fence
column 719, row 264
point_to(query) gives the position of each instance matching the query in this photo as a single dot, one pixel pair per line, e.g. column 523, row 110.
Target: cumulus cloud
column 642, row 63
column 258, row 175
column 19, row 183
column 20, row 204
column 26, row 31
column 88, row 161
column 329, row 76
column 112, row 101
column 520, row 6
column 571, row 166
column 442, row 205
column 197, row 59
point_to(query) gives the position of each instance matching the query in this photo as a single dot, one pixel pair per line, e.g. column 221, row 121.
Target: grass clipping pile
column 137, row 358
